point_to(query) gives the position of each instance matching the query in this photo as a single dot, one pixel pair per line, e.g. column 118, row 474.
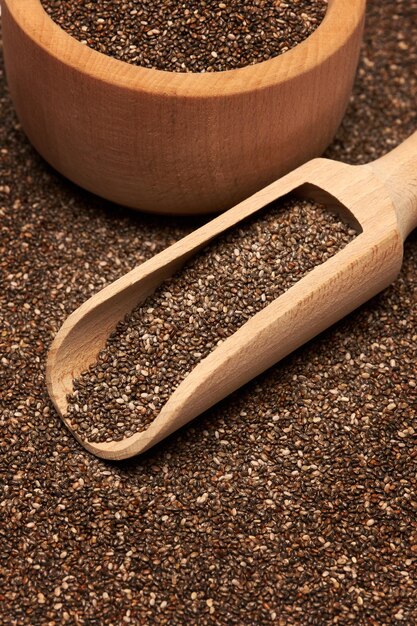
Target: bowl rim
column 342, row 19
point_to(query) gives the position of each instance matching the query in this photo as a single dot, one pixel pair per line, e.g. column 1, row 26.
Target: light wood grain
column 177, row 143
column 381, row 199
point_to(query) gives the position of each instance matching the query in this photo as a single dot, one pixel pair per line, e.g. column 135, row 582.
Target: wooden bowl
column 177, row 143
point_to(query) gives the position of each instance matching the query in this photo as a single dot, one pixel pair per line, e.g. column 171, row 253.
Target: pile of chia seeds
column 191, row 35
column 291, row 502
column 160, row 342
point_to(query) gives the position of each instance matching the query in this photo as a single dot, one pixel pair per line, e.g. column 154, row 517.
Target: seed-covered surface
column 293, row 502
column 220, row 289
column 190, row 36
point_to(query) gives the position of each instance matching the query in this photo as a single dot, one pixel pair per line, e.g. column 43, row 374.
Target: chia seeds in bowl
column 190, row 36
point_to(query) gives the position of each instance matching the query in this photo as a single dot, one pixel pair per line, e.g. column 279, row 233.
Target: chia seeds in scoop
column 160, row 342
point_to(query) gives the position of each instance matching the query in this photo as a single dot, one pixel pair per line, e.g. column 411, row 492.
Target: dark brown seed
column 220, row 289
column 286, row 504
column 192, row 35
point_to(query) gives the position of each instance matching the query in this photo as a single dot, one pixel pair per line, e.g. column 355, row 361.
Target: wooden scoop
column 379, row 199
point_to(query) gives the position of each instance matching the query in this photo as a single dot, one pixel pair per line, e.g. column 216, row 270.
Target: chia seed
column 190, row 36
column 161, row 341
column 292, row 502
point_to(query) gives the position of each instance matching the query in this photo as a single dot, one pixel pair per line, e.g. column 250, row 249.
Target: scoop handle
column 398, row 171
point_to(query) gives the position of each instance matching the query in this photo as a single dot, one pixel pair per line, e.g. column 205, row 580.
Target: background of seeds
column 159, row 343
column 292, row 502
column 192, row 35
